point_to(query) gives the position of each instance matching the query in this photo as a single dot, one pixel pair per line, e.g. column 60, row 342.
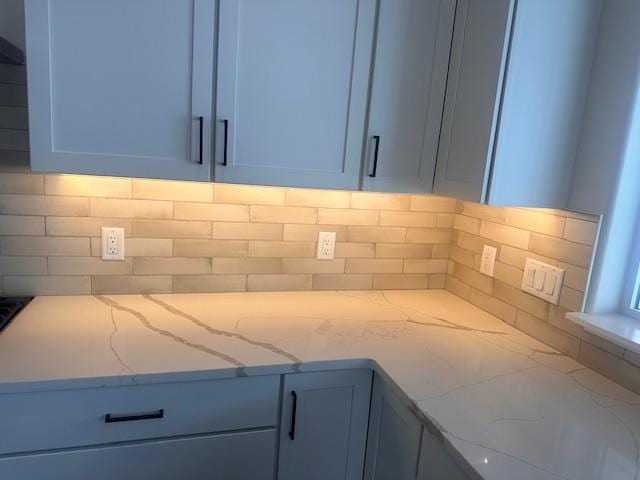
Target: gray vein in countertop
column 474, row 384
column 202, row 348
column 516, row 419
column 409, row 319
column 125, row 366
column 215, row 331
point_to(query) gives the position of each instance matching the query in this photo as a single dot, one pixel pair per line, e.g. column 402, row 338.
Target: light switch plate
column 488, row 260
column 326, row 245
column 112, row 243
column 542, row 280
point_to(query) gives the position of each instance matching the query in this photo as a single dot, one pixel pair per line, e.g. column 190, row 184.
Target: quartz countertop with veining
column 514, row 408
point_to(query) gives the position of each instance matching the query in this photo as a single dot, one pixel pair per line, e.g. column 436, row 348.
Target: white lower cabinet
column 393, row 445
column 299, row 426
column 233, row 456
column 399, row 447
column 324, row 425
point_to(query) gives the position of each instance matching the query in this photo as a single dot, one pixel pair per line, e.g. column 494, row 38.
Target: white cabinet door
column 407, row 93
column 437, row 462
column 233, row 456
column 324, row 425
column 393, row 444
column 548, row 74
column 292, row 90
column 121, row 87
column 474, row 88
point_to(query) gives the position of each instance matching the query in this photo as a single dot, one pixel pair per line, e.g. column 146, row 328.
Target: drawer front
column 237, row 456
column 71, row 418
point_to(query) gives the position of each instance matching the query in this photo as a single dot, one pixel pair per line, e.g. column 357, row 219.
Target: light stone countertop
column 514, row 408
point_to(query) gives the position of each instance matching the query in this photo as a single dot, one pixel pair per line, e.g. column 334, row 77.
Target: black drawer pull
column 294, row 408
column 376, row 149
column 109, row 418
column 226, row 142
column 201, row 144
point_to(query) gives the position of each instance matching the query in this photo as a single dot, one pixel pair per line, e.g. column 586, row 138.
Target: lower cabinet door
column 393, row 446
column 436, row 462
column 234, row 456
column 324, row 425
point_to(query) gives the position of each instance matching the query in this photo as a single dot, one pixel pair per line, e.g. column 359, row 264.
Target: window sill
column 617, row 328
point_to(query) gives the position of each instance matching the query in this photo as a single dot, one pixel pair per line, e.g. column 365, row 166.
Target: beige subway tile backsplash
column 247, row 231
column 211, row 212
column 248, row 194
column 44, row 205
column 117, row 208
column 563, row 250
column 23, row 266
column 21, row 225
column 171, row 229
column 84, row 226
column 45, row 246
column 281, row 249
column 87, row 186
column 88, row 266
column 21, row 183
column 210, row 248
column 343, row 216
column 130, row 284
column 203, row 237
column 259, row 213
column 172, row 190
column 306, row 197
column 171, row 266
column 408, row 219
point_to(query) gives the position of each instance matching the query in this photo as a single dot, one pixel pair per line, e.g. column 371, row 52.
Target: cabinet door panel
column 474, row 85
column 237, row 456
column 436, row 463
column 407, row 93
column 543, row 103
column 330, row 431
column 117, row 87
column 393, row 445
column 292, row 84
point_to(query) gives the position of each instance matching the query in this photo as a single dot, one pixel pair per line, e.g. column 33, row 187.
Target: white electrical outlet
column 542, row 280
column 488, row 260
column 326, row 245
column 112, row 243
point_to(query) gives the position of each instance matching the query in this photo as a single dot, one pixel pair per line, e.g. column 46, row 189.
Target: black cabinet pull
column 201, row 122
column 376, row 138
column 110, row 418
column 226, row 142
column 294, row 408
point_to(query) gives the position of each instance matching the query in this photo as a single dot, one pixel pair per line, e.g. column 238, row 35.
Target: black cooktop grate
column 9, row 308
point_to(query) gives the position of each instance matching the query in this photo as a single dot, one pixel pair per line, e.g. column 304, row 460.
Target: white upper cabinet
column 516, row 90
column 121, row 87
column 292, row 91
column 407, row 92
column 478, row 56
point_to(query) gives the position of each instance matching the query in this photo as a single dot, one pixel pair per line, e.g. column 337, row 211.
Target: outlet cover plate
column 542, row 280
column 326, row 245
column 488, row 260
column 112, row 243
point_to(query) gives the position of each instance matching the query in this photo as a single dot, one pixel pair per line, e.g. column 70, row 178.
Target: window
column 631, row 299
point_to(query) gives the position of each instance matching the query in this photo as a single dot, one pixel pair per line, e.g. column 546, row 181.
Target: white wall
column 607, row 166
column 12, row 21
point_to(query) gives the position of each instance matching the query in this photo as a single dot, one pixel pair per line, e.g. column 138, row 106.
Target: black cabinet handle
column 226, row 142
column 110, row 418
column 294, row 408
column 376, row 138
column 201, row 149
